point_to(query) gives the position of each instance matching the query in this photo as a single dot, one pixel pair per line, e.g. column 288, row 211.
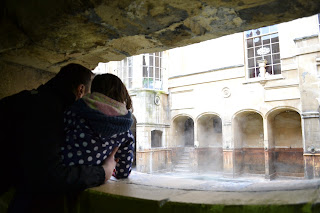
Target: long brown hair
column 111, row 86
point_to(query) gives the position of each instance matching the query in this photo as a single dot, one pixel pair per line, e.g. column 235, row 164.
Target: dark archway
column 189, row 133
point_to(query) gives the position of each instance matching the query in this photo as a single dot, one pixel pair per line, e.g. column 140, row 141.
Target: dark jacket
column 31, row 135
column 91, row 136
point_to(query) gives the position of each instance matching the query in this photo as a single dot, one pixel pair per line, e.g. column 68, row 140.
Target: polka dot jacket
column 84, row 145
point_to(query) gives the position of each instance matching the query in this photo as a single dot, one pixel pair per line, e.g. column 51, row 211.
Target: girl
column 99, row 123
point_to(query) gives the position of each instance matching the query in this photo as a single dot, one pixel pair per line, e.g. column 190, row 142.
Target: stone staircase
column 184, row 163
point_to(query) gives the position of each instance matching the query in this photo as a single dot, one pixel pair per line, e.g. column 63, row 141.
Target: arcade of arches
column 269, row 145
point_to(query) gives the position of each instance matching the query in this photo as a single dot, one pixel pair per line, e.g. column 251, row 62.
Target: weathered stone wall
column 15, row 78
column 47, row 35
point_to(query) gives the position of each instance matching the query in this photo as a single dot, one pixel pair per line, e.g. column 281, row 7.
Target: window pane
column 157, row 61
column 250, row 53
column 144, row 60
column 249, row 33
column 125, row 74
column 269, row 69
column 268, row 58
column 266, row 39
column 257, row 72
column 150, row 83
column 157, row 73
column 130, row 59
column 130, row 83
column 256, row 32
column 145, row 72
column 258, row 59
column 150, row 71
column 257, row 41
column 265, row 30
column 145, row 82
column 249, row 43
column 251, row 62
column 151, row 60
column 274, row 38
column 276, row 58
column 277, row 69
column 273, row 28
column 275, row 48
column 252, row 73
column 267, row 49
column 256, row 51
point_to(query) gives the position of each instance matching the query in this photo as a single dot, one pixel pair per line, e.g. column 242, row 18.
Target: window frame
column 268, row 38
column 125, row 71
column 154, row 135
column 152, row 71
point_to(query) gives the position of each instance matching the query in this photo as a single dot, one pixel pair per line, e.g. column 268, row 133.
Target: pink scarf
column 104, row 104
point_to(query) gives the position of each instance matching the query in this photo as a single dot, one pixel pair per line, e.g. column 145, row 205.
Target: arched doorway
column 182, row 132
column 209, row 136
column 188, row 133
column 249, row 143
column 288, row 146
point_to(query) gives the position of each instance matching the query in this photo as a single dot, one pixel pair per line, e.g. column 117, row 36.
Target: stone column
column 268, row 150
column 195, row 131
column 228, row 150
column 311, row 144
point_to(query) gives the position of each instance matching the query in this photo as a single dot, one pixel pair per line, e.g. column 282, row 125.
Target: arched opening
column 288, row 146
column 209, row 137
column 189, row 133
column 182, row 142
column 182, row 132
column 248, row 140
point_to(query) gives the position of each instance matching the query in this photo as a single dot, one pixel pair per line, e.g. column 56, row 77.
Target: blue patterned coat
column 91, row 136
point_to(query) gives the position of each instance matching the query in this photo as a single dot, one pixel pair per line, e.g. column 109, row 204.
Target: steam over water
column 200, row 149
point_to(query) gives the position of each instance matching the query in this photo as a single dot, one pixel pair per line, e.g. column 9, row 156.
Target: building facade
column 242, row 104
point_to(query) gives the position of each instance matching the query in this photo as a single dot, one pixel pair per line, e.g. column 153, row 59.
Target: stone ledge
column 198, row 193
column 165, row 193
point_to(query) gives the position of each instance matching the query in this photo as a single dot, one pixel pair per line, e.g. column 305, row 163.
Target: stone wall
column 15, row 78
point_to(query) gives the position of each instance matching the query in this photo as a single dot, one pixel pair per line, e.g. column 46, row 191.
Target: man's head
column 76, row 79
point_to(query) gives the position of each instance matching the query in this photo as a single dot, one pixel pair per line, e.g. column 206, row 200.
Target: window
column 156, row 138
column 319, row 21
column 152, row 70
column 263, row 43
column 125, row 71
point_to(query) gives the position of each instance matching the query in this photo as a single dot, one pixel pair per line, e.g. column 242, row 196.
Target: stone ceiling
column 47, row 34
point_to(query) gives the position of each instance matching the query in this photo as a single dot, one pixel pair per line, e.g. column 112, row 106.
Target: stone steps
column 183, row 165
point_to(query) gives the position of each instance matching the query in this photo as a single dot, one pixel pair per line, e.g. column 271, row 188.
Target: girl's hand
column 110, row 163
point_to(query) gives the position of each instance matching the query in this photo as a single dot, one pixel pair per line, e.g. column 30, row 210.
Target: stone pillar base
column 228, row 163
column 311, row 165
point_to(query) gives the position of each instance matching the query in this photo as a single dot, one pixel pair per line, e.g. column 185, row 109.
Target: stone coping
column 215, row 190
column 197, row 193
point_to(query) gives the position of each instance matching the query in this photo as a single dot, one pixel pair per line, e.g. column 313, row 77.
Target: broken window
column 263, row 44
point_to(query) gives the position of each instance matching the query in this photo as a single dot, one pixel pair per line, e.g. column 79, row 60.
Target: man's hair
column 111, row 86
column 72, row 75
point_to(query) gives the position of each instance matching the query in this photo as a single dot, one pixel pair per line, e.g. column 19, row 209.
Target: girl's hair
column 111, row 86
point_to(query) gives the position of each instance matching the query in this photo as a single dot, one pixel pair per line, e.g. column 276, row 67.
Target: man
column 31, row 129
